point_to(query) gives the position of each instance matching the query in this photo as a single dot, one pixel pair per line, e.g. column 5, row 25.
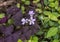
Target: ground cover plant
column 29, row 20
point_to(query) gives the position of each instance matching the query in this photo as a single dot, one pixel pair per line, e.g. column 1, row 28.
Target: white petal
column 30, row 23
column 23, row 20
column 34, row 19
column 30, row 12
column 33, row 23
column 23, row 23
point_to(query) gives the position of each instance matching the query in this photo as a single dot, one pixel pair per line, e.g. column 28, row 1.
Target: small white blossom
column 31, row 13
column 24, row 21
column 31, row 21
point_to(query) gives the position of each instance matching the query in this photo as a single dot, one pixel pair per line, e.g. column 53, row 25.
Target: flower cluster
column 31, row 20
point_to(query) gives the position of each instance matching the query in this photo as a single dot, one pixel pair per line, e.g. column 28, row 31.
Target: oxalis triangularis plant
column 23, row 26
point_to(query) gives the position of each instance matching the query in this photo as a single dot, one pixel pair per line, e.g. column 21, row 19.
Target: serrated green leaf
column 52, row 32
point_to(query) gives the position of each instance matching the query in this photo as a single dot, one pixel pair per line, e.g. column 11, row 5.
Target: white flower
column 31, row 21
column 24, row 21
column 31, row 13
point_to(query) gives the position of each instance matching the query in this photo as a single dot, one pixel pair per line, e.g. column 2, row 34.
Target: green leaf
column 55, row 40
column 35, row 39
column 29, row 40
column 38, row 5
column 39, row 33
column 2, row 15
column 46, row 2
column 51, row 0
column 10, row 21
column 23, row 8
column 52, row 5
column 23, row 0
column 27, row 2
column 47, row 12
column 36, row 1
column 56, row 4
column 51, row 23
column 58, row 9
column 59, row 21
column 18, row 5
column 56, row 36
column 52, row 32
column 39, row 10
column 19, row 40
column 53, row 17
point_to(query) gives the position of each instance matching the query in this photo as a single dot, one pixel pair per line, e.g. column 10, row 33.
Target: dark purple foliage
column 13, row 10
column 22, row 37
column 25, row 29
column 28, row 34
column 8, row 30
column 16, row 36
column 24, row 32
column 3, row 20
column 8, row 39
column 17, row 18
column 1, row 39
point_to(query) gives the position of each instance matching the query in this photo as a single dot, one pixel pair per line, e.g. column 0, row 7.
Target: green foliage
column 47, row 12
column 23, row 8
column 10, row 21
column 55, row 40
column 27, row 2
column 36, row 1
column 50, row 0
column 2, row 15
column 52, row 15
column 46, row 2
column 19, row 40
column 33, row 39
column 52, row 32
column 18, row 5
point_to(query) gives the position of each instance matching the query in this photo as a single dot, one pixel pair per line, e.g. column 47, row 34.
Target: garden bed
column 29, row 20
